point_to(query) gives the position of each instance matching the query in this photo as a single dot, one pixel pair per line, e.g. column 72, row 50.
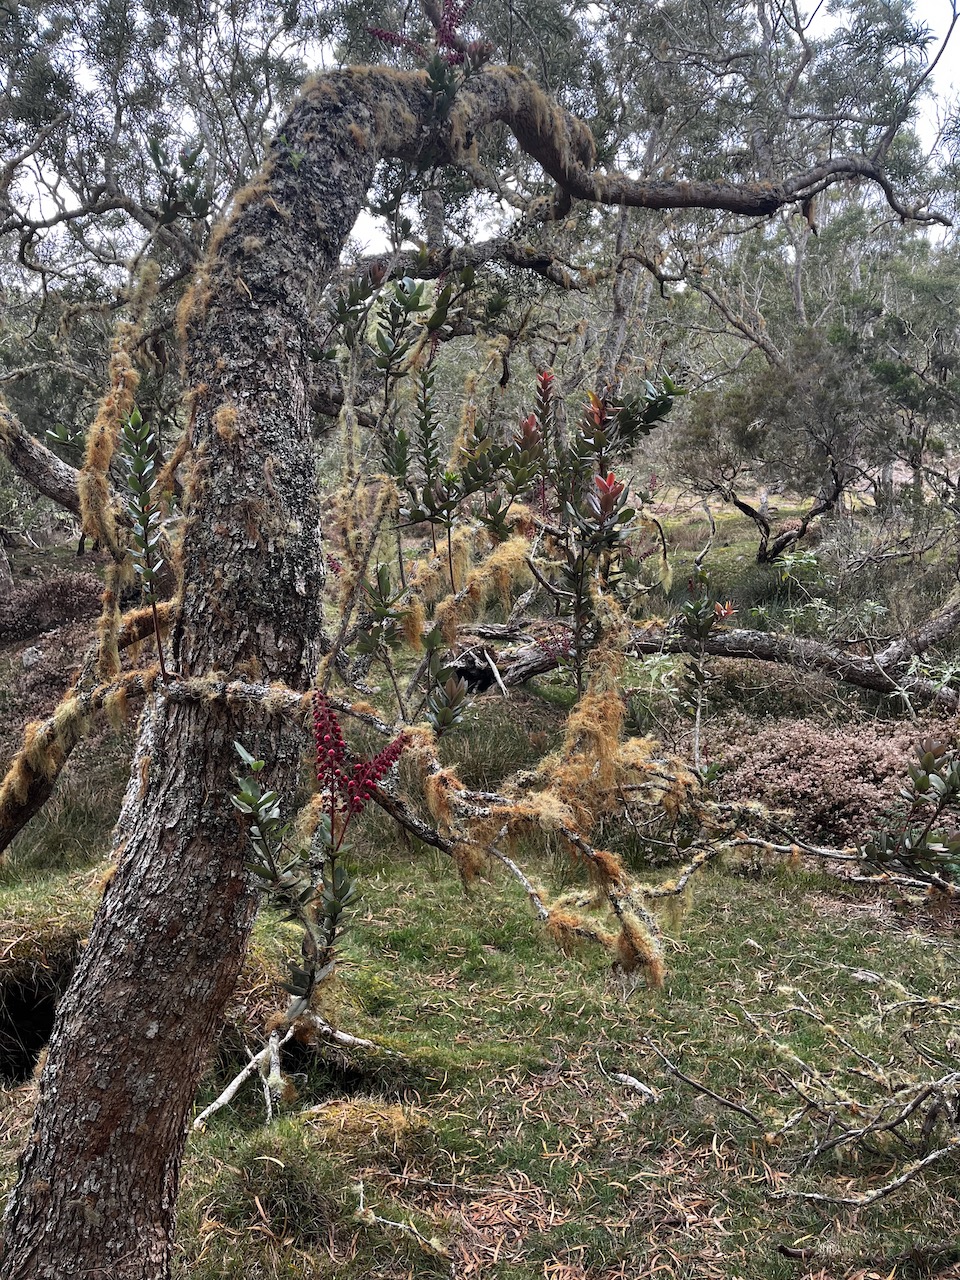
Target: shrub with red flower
column 348, row 787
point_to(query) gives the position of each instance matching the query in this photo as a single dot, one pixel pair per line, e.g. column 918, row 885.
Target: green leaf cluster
column 926, row 840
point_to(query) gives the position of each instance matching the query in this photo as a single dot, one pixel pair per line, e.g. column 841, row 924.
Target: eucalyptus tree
column 245, row 632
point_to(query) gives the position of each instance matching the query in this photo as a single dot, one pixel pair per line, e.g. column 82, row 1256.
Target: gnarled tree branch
column 37, row 464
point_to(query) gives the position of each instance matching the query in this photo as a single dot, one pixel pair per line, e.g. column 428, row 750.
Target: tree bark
column 98, row 1178
column 37, row 464
column 6, row 575
column 99, row 1175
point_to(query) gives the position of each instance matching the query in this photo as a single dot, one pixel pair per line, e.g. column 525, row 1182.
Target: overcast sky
column 938, row 14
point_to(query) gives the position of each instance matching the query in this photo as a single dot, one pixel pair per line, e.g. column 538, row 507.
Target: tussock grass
column 500, row 735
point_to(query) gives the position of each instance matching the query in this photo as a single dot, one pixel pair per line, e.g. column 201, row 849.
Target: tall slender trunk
column 625, row 284
column 6, row 576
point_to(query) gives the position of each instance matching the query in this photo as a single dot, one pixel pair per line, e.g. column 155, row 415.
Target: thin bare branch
column 675, row 1071
column 870, row 1197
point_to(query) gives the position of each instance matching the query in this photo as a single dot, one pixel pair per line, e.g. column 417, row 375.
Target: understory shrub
column 49, row 602
column 837, row 783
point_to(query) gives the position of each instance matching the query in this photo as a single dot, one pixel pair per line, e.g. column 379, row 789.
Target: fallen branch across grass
column 268, row 1058
column 870, row 1197
column 699, row 1086
column 883, row 672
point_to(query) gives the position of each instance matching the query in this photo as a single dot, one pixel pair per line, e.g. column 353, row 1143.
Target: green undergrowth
column 488, row 1136
column 487, row 1133
column 496, row 1127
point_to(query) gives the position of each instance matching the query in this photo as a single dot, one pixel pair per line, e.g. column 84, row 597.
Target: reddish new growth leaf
column 528, row 435
column 595, row 410
column 604, row 502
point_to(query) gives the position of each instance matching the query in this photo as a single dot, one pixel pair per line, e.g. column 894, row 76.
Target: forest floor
column 522, row 1113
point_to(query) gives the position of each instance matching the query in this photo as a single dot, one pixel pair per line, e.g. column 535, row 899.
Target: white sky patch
column 939, row 105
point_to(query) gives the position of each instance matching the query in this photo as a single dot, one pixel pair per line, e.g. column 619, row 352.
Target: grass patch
column 73, row 829
column 499, row 1135
column 500, row 735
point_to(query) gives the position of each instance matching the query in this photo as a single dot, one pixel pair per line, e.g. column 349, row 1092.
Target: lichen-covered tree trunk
column 99, row 1175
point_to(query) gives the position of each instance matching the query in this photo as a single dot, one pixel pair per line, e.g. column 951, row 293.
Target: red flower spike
column 451, row 16
column 398, row 41
column 348, row 789
column 330, row 747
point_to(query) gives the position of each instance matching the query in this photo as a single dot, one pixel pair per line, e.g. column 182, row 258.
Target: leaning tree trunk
column 99, row 1176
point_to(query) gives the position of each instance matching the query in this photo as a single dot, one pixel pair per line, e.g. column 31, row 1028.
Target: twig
column 531, row 892
column 675, row 1071
column 631, row 1082
column 497, row 676
column 256, row 1063
column 369, row 1219
column 860, row 1202
column 556, row 592
column 929, row 881
column 463, row 1187
column 702, row 554
column 814, row 850
column 313, row 1022
column 672, row 888
column 270, row 1053
column 273, row 1080
column 881, row 1126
